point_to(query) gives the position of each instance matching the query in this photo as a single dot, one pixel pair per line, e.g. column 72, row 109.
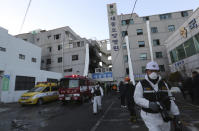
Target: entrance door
column 1, row 77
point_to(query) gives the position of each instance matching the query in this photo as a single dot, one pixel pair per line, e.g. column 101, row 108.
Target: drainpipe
column 149, row 39
column 129, row 61
column 86, row 66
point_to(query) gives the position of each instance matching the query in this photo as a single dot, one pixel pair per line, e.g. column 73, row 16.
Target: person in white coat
column 148, row 94
column 97, row 92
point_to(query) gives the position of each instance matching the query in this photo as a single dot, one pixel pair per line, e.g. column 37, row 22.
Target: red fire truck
column 75, row 88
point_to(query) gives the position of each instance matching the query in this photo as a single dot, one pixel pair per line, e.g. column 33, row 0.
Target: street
column 78, row 117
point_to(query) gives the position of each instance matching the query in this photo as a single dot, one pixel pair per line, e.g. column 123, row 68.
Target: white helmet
column 152, row 66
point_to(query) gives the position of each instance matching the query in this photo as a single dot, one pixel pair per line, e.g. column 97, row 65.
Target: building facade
column 183, row 46
column 161, row 27
column 63, row 50
column 19, row 67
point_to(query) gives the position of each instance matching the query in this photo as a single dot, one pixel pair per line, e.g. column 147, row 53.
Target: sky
column 88, row 18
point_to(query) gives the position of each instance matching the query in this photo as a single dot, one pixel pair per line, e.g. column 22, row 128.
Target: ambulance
column 41, row 93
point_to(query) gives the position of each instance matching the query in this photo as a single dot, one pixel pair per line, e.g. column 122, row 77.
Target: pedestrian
column 123, row 91
column 97, row 92
column 187, row 85
column 153, row 96
column 195, row 84
column 130, row 88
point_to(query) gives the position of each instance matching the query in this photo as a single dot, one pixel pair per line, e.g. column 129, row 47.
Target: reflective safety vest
column 97, row 91
column 156, row 96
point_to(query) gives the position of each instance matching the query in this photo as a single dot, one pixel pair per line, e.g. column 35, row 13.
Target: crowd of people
column 153, row 97
column 190, row 88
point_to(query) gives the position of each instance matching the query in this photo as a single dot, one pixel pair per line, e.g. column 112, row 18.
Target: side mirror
column 175, row 90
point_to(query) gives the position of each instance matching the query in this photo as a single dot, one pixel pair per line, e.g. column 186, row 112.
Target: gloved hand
column 177, row 123
column 154, row 106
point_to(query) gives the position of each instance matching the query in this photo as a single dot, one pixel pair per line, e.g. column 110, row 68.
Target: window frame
column 75, row 57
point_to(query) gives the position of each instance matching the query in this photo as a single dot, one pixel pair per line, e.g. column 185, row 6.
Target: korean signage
column 5, row 82
column 177, row 64
column 102, row 75
column 193, row 24
column 113, row 26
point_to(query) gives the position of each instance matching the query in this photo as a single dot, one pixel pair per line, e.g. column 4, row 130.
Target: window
column 180, row 52
column 139, row 32
column 143, row 69
column 158, row 54
column 82, row 43
column 124, row 46
column 42, row 61
column 24, row 83
column 196, row 41
column 49, row 49
column 54, row 88
column 34, row 60
column 141, row 43
column 109, row 58
column 123, row 22
column 49, row 36
column 111, row 6
column 46, row 89
column 68, row 70
column 78, row 44
column 59, row 60
column 171, row 28
column 127, row 22
column 21, row 56
column 145, row 18
column 59, row 47
column 52, row 80
column 189, row 47
column 25, row 39
column 156, row 42
column 74, row 57
column 127, row 71
column 131, row 21
column 165, row 16
column 126, row 58
column 143, row 56
column 48, row 61
column 57, row 36
column 37, row 39
column 124, row 33
column 162, row 69
column 173, row 55
column 2, row 49
column 184, row 13
column 154, row 29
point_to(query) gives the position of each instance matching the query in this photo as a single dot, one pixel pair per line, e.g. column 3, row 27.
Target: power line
column 25, row 16
column 126, row 30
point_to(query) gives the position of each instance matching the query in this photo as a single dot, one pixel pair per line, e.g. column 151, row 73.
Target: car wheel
column 40, row 102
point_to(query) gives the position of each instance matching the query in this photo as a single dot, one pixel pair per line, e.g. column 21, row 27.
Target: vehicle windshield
column 36, row 89
column 67, row 83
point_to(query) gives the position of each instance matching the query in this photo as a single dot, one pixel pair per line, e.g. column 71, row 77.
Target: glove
column 177, row 123
column 154, row 106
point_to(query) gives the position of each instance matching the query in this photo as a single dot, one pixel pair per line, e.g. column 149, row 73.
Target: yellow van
column 41, row 93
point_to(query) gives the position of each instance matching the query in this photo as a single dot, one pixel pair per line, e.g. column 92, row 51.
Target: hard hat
column 127, row 79
column 152, row 66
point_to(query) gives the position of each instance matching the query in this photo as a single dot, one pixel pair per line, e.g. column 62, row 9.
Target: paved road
column 76, row 117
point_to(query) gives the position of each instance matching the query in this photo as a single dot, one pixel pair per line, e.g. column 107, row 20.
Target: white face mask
column 153, row 75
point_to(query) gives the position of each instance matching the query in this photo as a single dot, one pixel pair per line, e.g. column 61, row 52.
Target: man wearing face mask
column 146, row 97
